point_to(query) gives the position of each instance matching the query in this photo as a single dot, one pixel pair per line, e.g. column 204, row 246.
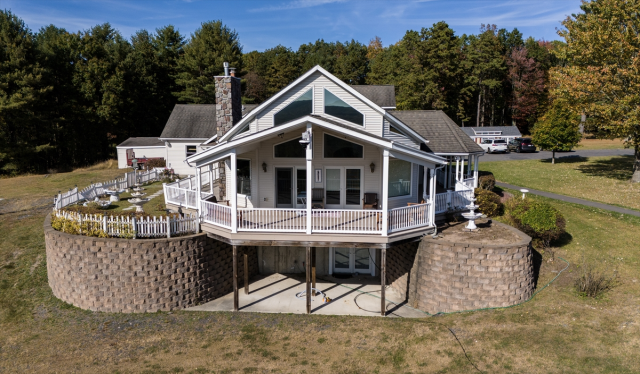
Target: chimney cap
column 225, row 64
column 232, row 72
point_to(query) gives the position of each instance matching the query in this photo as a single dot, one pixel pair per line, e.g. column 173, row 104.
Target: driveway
column 547, row 154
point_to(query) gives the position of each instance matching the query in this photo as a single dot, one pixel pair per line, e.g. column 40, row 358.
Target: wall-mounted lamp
column 373, row 167
column 264, row 167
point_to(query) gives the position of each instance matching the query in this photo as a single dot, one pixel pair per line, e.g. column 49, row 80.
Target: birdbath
column 472, row 216
column 114, row 195
column 138, row 203
column 524, row 191
column 138, row 188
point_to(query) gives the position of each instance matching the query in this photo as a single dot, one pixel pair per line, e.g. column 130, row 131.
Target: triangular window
column 289, row 149
column 299, row 107
column 338, row 108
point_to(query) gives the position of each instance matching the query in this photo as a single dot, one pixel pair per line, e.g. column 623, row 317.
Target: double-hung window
column 191, row 150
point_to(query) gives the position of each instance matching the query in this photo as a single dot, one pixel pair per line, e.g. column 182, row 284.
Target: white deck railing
column 272, row 220
column 408, row 217
column 216, row 214
column 181, row 197
column 346, row 221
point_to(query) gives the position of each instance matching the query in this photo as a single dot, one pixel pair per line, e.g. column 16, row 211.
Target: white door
column 343, row 187
column 353, row 260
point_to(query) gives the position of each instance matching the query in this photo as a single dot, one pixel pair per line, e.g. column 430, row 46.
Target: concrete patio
column 276, row 293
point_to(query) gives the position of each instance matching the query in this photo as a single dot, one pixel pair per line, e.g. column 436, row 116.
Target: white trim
column 341, row 120
column 141, row 147
column 340, row 158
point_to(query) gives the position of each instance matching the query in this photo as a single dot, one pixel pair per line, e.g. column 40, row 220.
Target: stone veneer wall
column 141, row 275
column 440, row 276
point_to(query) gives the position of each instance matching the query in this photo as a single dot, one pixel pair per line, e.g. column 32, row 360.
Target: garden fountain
column 114, row 195
column 138, row 201
column 472, row 216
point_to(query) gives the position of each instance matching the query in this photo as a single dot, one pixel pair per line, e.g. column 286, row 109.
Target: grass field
column 602, row 179
column 600, row 144
column 556, row 332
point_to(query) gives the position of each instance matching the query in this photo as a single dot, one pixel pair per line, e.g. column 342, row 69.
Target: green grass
column 601, row 179
column 557, row 332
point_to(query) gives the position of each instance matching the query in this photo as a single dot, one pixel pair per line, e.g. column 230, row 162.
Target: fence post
column 135, row 228
column 168, row 227
column 104, row 223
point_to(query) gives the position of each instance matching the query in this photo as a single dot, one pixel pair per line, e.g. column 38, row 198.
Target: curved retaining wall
column 141, row 275
column 442, row 276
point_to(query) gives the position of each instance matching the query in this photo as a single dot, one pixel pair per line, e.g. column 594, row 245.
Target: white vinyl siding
column 176, row 152
column 155, row 152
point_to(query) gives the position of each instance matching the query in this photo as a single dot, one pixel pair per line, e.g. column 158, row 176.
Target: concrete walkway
column 276, row 293
column 574, row 200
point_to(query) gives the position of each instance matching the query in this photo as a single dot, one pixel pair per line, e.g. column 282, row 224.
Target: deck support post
column 313, row 271
column 246, row 273
column 309, row 156
column 308, row 271
column 385, row 192
column 235, row 278
column 383, row 272
column 232, row 195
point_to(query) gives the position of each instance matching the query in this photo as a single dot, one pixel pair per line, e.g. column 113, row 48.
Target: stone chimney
column 228, row 101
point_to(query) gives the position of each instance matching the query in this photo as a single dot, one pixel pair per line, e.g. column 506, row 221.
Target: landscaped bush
column 486, row 180
column 592, row 283
column 488, row 202
column 537, row 219
column 156, row 163
column 70, row 226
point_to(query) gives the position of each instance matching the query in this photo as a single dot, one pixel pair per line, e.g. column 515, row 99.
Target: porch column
column 309, row 155
column 458, row 172
column 385, row 192
column 432, row 195
column 233, row 194
column 211, row 178
column 198, row 197
column 446, row 174
column 469, row 169
column 235, row 278
column 308, row 271
column 424, row 183
column 383, row 273
column 475, row 170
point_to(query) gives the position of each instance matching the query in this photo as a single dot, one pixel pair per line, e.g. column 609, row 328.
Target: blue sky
column 263, row 24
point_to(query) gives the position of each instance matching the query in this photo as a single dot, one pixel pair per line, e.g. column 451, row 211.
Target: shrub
column 537, row 219
column 155, row 163
column 488, row 202
column 487, row 181
column 593, row 283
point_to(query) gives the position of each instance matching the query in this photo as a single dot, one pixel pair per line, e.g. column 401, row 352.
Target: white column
column 198, row 196
column 475, row 170
column 424, row 183
column 469, row 169
column 446, row 174
column 309, row 179
column 432, row 195
column 385, row 192
column 211, row 178
column 233, row 194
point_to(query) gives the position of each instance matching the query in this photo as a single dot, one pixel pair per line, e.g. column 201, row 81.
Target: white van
column 494, row 145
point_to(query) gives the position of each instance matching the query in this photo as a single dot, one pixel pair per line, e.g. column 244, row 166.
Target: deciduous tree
column 557, row 130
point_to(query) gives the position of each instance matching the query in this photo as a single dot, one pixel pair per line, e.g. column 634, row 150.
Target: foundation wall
column 141, row 275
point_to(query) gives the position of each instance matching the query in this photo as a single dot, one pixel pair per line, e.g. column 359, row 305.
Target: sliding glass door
column 343, row 187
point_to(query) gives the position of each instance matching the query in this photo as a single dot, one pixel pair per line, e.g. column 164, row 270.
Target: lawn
column 556, row 332
column 586, row 143
column 602, row 179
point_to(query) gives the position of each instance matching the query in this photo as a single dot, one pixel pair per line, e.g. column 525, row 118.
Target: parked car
column 494, row 145
column 521, row 145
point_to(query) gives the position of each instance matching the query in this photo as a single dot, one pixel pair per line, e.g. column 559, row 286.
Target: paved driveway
column 547, row 154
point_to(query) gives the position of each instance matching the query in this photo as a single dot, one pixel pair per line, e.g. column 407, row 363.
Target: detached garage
column 142, row 148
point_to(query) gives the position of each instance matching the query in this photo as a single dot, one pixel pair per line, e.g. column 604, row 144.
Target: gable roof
column 505, row 130
column 141, row 142
column 191, row 121
column 383, row 95
column 444, row 135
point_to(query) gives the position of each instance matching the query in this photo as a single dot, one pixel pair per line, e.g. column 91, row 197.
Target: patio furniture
column 317, row 198
column 370, row 200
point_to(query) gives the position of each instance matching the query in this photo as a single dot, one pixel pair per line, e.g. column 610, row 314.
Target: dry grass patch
column 600, row 144
column 602, row 179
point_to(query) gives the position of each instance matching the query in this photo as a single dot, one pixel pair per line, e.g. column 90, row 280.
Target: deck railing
column 272, row 220
column 216, row 214
column 346, row 221
column 408, row 217
column 181, row 196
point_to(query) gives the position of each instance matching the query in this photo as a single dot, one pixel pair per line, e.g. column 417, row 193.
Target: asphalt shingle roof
column 381, row 95
column 142, row 142
column 506, row 130
column 191, row 121
column 443, row 134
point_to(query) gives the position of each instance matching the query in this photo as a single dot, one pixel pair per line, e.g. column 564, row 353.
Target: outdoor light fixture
column 373, row 167
column 264, row 166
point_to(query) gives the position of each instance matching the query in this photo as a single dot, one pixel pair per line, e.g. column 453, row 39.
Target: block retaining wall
column 441, row 276
column 141, row 275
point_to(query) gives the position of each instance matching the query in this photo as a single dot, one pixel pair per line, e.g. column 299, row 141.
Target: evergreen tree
column 168, row 44
column 351, row 63
column 318, row 53
column 210, row 45
column 282, row 68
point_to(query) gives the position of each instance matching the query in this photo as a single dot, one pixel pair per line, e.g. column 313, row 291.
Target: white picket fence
column 97, row 189
column 136, row 227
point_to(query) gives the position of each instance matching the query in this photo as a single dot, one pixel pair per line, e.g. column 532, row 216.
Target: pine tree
column 210, row 45
column 351, row 63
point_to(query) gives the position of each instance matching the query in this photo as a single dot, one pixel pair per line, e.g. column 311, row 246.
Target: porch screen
column 244, row 177
column 338, row 108
column 299, row 107
column 335, row 147
column 399, row 178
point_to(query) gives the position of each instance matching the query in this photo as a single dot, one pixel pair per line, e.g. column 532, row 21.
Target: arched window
column 338, row 108
column 299, row 107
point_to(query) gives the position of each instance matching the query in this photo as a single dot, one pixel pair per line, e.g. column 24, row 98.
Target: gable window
column 299, row 107
column 290, row 149
column 338, row 108
column 191, row 150
column 399, row 178
column 335, row 147
column 244, row 176
column 394, row 130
